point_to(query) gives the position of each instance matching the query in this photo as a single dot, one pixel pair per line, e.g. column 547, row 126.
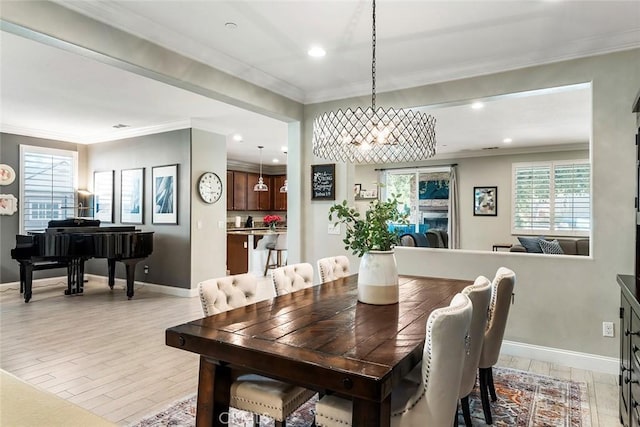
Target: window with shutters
column 47, row 186
column 552, row 198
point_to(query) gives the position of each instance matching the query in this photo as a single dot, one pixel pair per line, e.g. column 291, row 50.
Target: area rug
column 524, row 400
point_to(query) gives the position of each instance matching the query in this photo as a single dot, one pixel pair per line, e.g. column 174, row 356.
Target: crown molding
column 111, row 13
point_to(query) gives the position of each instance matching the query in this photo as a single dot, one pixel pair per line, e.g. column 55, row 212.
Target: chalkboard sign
column 323, row 182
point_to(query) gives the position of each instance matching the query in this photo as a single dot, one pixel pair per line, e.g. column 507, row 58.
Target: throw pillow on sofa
column 531, row 244
column 552, row 247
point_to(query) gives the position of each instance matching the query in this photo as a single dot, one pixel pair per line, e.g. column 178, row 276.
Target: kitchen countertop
column 255, row 231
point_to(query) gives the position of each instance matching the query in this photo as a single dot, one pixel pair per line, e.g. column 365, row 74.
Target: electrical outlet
column 607, row 329
column 146, row 269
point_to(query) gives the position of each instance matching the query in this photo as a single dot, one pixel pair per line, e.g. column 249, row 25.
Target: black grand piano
column 70, row 242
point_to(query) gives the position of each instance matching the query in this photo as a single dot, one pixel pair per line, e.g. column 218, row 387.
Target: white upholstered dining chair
column 252, row 393
column 432, row 401
column 292, row 278
column 501, row 291
column 333, row 268
column 480, row 295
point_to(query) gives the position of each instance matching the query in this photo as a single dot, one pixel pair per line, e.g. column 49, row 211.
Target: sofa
column 568, row 246
column 431, row 239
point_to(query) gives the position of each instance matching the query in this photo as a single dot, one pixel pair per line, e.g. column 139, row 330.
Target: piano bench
column 40, row 265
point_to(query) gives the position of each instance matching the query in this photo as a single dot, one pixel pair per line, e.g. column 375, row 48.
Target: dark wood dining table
column 321, row 338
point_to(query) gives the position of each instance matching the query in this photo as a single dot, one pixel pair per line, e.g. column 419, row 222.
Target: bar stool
column 279, row 246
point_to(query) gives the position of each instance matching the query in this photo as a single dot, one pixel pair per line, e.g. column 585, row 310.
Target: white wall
column 208, row 221
column 559, row 303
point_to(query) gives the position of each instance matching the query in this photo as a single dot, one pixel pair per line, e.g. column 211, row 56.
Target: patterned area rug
column 524, row 400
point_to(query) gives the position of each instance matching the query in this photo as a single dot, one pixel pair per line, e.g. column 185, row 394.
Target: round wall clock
column 209, row 187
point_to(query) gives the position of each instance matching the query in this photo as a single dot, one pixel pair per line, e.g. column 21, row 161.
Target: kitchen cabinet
column 239, row 191
column 258, row 200
column 279, row 199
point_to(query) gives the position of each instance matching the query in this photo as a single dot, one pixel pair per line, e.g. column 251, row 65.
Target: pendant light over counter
column 260, row 186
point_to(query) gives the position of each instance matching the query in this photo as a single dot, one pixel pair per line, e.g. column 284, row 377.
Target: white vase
column 378, row 278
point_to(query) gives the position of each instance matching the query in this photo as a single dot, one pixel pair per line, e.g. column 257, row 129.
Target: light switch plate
column 333, row 229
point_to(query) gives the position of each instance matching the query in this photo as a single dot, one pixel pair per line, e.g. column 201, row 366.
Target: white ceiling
column 51, row 93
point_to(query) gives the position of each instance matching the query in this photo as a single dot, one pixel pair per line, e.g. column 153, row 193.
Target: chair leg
column 256, row 420
column 266, row 265
column 484, row 396
column 492, row 389
column 282, row 423
column 466, row 413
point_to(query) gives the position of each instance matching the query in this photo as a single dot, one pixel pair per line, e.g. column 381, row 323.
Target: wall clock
column 209, row 187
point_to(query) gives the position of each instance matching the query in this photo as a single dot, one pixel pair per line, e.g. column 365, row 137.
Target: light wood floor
column 107, row 354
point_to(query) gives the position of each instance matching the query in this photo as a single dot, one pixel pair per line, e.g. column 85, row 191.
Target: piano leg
column 111, row 270
column 130, row 267
column 26, row 268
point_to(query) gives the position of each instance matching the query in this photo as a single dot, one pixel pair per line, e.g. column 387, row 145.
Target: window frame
column 551, row 231
column 28, row 149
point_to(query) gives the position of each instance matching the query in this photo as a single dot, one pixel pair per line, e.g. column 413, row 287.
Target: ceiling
column 52, row 93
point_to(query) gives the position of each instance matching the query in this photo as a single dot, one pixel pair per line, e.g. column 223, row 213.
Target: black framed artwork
column 485, row 201
column 165, row 194
column 323, row 182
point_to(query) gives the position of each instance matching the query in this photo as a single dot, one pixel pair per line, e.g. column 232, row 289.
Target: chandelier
column 374, row 135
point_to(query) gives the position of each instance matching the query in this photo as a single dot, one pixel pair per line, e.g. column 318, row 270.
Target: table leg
column 214, row 389
column 369, row 413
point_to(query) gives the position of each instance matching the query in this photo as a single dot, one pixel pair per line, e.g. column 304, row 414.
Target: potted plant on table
column 370, row 237
column 271, row 221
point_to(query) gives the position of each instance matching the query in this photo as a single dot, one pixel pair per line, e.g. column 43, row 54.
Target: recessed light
column 316, row 52
column 230, row 25
column 237, row 137
column 276, row 161
column 477, row 105
column 507, row 140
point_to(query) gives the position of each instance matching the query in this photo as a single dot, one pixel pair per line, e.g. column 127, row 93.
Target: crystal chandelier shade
column 260, row 186
column 374, row 135
column 368, row 136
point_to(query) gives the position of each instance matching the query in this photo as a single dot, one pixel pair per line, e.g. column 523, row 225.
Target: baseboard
column 161, row 289
column 122, row 283
column 573, row 359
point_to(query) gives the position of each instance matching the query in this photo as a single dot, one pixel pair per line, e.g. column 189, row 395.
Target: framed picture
column 485, row 201
column 8, row 204
column 132, row 196
column 165, row 194
column 103, row 195
column 357, row 188
column 323, row 182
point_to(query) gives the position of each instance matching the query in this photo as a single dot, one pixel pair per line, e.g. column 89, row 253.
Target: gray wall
column 9, row 224
column 170, row 262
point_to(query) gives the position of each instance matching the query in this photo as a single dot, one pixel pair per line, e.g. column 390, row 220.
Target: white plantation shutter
column 552, row 198
column 47, row 186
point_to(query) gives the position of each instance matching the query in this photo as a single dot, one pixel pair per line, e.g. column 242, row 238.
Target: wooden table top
column 322, row 337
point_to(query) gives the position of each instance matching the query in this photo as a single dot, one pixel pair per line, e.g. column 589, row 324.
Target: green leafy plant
column 371, row 231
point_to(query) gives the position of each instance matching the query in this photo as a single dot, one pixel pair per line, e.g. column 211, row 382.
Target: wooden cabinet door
column 264, row 197
column 279, row 199
column 240, row 191
column 237, row 254
column 253, row 197
column 230, row 191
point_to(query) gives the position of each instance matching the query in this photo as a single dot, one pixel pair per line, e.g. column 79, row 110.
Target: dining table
column 320, row 338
